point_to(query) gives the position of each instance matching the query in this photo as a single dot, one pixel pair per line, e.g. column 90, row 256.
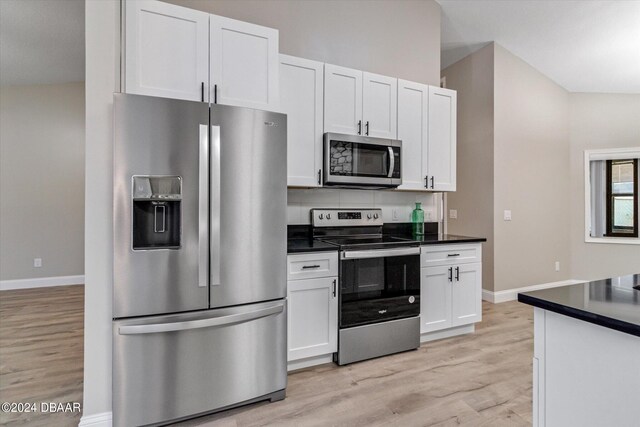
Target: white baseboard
column 294, row 365
column 447, row 333
column 103, row 419
column 41, row 282
column 512, row 294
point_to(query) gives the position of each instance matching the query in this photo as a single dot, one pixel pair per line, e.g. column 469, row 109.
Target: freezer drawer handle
column 201, row 323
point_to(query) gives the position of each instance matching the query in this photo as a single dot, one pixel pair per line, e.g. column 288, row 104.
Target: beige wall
column 41, row 180
column 472, row 77
column 398, row 38
column 531, row 175
column 513, row 154
column 599, row 121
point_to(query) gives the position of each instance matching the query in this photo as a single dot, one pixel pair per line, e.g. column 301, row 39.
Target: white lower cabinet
column 451, row 287
column 312, row 307
column 312, row 317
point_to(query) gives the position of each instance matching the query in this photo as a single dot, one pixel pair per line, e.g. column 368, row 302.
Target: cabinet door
column 166, row 50
column 413, row 101
column 301, row 87
column 244, row 64
column 312, row 321
column 441, row 157
column 379, row 105
column 342, row 100
column 435, row 299
column 467, row 294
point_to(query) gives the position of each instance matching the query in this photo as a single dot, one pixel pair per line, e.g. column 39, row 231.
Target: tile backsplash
column 300, row 201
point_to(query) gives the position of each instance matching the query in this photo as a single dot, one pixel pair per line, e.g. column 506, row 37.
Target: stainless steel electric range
column 379, row 293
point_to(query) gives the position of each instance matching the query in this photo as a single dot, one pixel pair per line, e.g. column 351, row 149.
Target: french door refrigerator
column 199, row 316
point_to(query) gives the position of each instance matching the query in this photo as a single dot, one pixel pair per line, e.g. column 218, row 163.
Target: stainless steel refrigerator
column 199, row 258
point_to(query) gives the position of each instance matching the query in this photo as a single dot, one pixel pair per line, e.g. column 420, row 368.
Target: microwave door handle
column 392, row 162
column 203, row 207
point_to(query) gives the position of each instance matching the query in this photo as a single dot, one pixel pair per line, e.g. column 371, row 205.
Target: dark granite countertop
column 435, row 239
column 308, row 245
column 612, row 303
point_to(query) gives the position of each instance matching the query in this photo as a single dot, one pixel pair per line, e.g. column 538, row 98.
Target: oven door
column 361, row 161
column 379, row 285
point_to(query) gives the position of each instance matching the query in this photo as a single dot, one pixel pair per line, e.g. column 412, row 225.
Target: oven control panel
column 346, row 217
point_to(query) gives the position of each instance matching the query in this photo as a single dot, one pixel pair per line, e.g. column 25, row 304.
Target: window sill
column 613, row 240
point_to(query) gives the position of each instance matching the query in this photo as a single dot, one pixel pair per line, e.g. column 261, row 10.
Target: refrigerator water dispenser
column 156, row 212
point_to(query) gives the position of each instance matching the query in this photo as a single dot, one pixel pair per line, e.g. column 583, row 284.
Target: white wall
column 599, row 121
column 300, row 202
column 102, row 20
column 41, row 180
column 398, row 38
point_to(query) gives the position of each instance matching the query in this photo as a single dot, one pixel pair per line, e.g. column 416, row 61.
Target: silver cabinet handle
column 379, row 253
column 214, row 185
column 200, row 323
column 203, row 208
column 392, row 162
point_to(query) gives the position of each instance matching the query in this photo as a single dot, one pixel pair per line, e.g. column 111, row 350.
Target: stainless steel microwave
column 361, row 161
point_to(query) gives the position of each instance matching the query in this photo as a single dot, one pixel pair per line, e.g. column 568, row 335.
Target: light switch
column 453, row 213
column 507, row 215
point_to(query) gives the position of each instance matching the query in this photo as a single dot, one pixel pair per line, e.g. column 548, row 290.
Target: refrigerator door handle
column 203, row 208
column 215, row 206
column 200, row 323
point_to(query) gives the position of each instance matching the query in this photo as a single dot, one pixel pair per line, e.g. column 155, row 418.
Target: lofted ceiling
column 41, row 41
column 584, row 46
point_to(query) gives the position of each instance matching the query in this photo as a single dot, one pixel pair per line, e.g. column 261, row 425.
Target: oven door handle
column 392, row 162
column 379, row 253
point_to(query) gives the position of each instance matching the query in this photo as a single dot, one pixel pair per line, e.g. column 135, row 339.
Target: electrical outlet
column 37, row 262
column 395, row 215
column 429, row 215
column 453, row 213
column 557, row 265
column 507, row 215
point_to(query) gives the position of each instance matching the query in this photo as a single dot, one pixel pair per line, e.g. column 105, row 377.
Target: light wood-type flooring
column 41, row 352
column 478, row 379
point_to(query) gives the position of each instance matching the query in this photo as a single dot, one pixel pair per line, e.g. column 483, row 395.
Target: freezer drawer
column 171, row 367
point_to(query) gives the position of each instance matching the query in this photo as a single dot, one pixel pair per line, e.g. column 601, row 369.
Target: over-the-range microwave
column 361, row 161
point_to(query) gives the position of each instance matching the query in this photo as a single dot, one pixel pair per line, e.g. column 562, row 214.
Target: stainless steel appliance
column 361, row 161
column 379, row 293
column 199, row 258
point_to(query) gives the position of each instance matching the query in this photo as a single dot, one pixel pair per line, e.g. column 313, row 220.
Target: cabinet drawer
column 436, row 255
column 312, row 265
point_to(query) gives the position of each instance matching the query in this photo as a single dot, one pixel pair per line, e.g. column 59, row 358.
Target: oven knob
column 412, row 299
column 328, row 216
column 368, row 216
column 375, row 216
column 320, row 216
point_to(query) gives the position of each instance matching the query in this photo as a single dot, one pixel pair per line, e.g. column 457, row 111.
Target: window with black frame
column 622, row 198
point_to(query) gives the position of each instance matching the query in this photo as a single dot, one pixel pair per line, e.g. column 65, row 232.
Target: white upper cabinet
column 441, row 156
column 342, row 100
column 244, row 64
column 413, row 104
column 379, row 105
column 301, row 87
column 166, row 50
column 359, row 103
